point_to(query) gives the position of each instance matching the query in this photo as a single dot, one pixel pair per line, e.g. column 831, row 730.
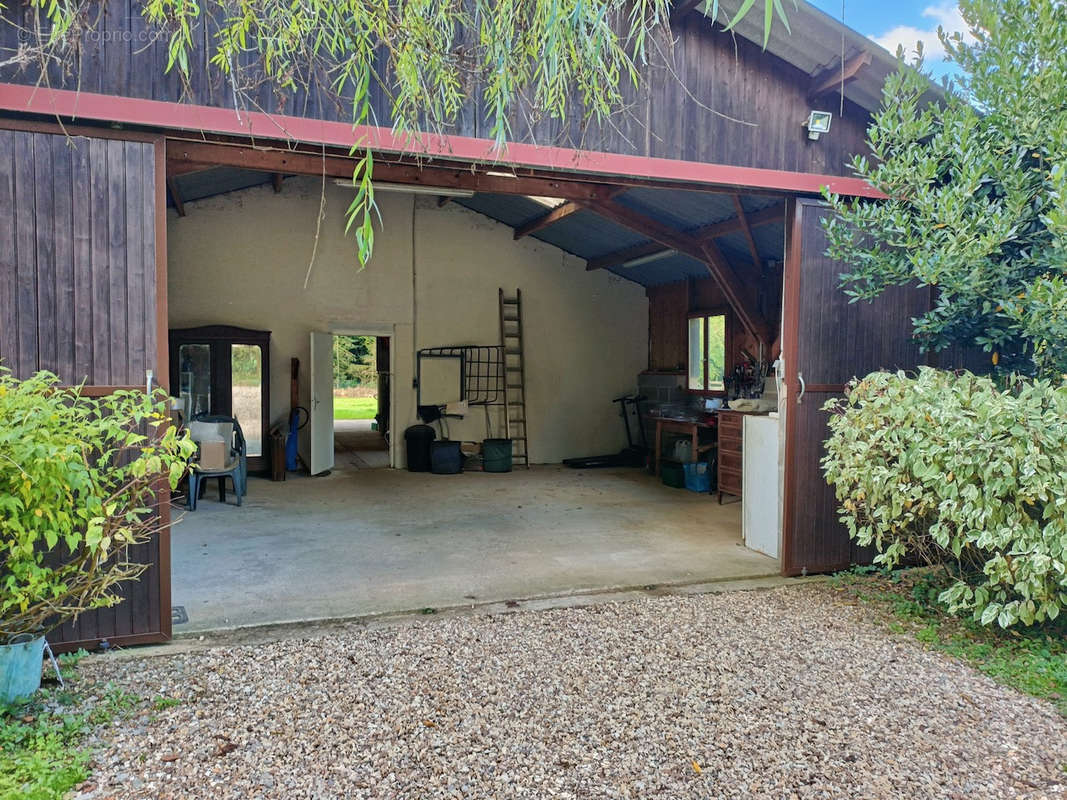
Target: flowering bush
column 949, row 469
column 79, row 484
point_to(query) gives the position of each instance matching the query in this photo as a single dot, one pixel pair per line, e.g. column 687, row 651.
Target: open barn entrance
column 646, row 312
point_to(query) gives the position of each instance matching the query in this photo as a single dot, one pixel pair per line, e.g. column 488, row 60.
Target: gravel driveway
column 780, row 694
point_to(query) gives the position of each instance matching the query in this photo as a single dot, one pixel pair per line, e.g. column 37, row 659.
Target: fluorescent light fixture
column 818, row 123
column 410, row 188
column 637, row 262
column 499, row 174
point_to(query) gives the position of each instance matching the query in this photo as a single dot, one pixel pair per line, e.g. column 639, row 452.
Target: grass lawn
column 1032, row 660
column 354, row 407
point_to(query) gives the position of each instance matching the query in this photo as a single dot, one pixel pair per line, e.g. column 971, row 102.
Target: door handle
column 803, row 388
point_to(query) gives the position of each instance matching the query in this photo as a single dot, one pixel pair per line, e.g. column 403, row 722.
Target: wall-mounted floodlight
column 818, row 123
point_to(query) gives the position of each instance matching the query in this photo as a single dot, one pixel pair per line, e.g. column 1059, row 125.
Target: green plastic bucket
column 673, row 474
column 496, row 455
column 20, row 669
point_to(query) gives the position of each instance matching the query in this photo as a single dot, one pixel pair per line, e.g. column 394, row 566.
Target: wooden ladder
column 514, row 376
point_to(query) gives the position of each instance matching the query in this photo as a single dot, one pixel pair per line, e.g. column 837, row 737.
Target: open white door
column 321, row 423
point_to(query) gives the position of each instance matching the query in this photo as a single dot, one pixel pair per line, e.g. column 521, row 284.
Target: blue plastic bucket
column 20, row 669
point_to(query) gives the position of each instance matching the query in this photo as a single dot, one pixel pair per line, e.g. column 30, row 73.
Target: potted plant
column 80, row 481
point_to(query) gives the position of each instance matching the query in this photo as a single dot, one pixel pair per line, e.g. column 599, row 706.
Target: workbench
column 690, row 428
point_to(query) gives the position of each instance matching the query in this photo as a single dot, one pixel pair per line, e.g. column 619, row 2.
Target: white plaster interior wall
column 241, row 258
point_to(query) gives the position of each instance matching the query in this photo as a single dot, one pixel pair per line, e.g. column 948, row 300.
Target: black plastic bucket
column 446, row 457
column 496, row 455
column 418, row 439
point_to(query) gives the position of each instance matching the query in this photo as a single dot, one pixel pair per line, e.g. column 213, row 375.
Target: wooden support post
column 276, row 182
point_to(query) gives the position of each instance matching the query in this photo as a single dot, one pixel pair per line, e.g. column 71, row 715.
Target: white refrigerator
column 761, row 481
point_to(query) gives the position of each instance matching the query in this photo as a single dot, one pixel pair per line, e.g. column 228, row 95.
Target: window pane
column 716, row 351
column 246, row 363
column 194, row 379
column 696, row 353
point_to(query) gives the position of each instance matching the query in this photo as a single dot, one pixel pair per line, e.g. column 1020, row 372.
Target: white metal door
column 321, row 423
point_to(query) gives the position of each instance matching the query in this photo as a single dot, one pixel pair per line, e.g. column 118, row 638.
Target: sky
column 900, row 22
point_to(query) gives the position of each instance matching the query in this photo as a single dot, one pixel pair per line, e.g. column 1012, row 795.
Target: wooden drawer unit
column 730, row 452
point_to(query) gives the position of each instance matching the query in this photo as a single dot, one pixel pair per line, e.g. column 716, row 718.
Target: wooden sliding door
column 83, row 295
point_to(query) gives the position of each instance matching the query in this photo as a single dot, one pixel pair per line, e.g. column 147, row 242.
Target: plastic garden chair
column 236, row 465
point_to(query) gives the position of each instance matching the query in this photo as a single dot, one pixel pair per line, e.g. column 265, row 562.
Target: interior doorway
column 360, row 401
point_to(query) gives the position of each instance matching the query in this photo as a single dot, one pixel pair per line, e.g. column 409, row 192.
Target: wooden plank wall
column 78, row 297
column 77, row 258
column 668, row 309
column 669, row 306
column 698, row 89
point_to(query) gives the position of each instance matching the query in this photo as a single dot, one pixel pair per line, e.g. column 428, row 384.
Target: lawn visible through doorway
column 355, row 377
column 354, row 407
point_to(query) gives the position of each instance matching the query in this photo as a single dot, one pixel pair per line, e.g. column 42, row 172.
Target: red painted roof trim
column 183, row 116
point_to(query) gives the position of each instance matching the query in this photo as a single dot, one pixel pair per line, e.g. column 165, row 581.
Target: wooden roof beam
column 551, row 218
column 835, row 77
column 705, row 252
column 747, row 230
column 765, row 216
column 182, row 154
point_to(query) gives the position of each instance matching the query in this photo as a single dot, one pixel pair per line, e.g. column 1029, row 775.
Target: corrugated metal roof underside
column 665, row 270
column 217, row 180
column 514, row 210
column 588, row 235
column 686, row 210
column 584, row 233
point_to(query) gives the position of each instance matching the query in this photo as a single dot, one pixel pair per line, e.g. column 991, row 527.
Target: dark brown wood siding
column 78, row 297
column 707, row 97
column 829, row 341
column 668, row 308
column 78, row 250
column 670, row 304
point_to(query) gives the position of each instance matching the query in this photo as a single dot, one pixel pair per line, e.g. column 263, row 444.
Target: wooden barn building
column 675, row 252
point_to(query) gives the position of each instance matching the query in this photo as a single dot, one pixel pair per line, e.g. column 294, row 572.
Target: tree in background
column 354, row 361
column 977, row 191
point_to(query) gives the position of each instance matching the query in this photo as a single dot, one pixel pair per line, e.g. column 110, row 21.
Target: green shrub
column 950, row 470
column 79, row 477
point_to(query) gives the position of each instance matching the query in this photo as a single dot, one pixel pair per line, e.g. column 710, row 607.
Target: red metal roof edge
column 184, row 116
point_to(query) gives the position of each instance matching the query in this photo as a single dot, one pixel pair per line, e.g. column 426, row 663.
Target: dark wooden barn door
column 83, row 295
column 828, row 341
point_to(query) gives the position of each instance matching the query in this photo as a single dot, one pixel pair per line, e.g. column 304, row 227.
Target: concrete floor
column 357, row 446
column 369, row 541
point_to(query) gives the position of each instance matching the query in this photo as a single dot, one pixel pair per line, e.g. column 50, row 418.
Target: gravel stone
column 780, row 694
